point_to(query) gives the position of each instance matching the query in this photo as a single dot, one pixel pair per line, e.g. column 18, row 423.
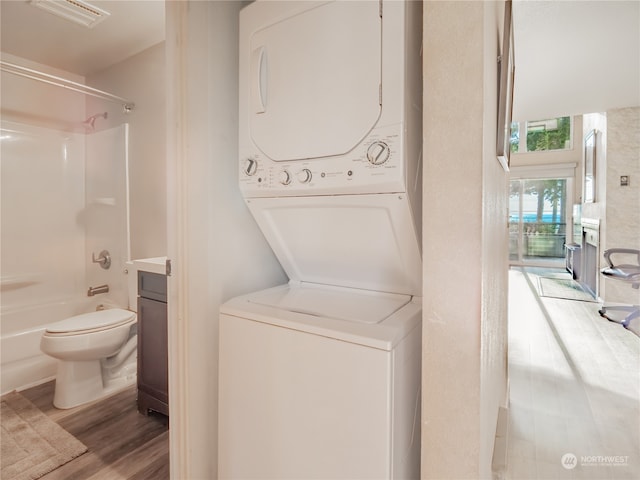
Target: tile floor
column 574, row 389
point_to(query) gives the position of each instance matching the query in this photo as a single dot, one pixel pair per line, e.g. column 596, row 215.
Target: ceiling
column 574, row 57
column 571, row 57
column 37, row 35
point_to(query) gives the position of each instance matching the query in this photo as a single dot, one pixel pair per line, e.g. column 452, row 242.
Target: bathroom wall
column 36, row 103
column 63, row 187
column 141, row 79
column 105, row 216
column 42, row 189
column 465, row 245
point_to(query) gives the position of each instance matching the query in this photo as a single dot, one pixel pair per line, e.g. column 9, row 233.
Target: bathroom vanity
column 153, row 378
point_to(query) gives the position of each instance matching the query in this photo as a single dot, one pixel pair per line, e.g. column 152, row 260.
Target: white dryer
column 320, row 378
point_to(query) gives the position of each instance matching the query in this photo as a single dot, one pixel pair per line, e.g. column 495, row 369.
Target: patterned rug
column 32, row 444
column 565, row 288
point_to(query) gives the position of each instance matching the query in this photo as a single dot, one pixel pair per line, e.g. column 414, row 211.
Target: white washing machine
column 320, row 383
column 320, row 378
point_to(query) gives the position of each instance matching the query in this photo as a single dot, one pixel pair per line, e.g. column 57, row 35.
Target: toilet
column 96, row 352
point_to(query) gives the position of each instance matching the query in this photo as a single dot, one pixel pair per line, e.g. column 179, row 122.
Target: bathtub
column 22, row 363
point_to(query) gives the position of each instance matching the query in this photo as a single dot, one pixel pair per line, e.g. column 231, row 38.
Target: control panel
column 374, row 166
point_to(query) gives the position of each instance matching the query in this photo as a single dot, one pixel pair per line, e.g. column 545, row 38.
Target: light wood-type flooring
column 574, row 409
column 574, row 388
column 122, row 443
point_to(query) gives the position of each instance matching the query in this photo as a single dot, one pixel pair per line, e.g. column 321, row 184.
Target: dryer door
column 314, row 77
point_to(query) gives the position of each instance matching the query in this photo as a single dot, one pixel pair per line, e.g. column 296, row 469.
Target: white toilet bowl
column 96, row 355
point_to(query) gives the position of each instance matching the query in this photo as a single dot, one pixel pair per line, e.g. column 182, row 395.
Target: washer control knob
column 285, row 177
column 250, row 167
column 304, row 175
column 378, row 153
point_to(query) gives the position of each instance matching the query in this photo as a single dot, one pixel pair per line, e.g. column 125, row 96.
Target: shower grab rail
column 64, row 83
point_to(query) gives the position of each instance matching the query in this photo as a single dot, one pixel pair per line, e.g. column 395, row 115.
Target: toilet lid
column 101, row 319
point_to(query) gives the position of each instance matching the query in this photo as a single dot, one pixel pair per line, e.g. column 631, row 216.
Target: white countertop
column 153, row 265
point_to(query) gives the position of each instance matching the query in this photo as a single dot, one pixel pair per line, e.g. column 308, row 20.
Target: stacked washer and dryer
column 320, row 377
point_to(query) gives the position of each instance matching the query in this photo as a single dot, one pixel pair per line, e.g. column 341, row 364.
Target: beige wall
column 597, row 121
column 622, row 206
column 141, row 79
column 465, row 244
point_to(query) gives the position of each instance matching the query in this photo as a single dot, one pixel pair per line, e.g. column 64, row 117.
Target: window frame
column 524, row 126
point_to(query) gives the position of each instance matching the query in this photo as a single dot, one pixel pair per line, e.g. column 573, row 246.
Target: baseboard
column 499, row 460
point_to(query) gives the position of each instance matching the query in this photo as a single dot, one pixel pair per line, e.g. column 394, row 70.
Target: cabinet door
column 153, row 377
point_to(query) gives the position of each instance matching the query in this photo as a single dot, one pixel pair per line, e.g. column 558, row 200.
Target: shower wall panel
column 42, row 197
column 64, row 192
column 106, row 215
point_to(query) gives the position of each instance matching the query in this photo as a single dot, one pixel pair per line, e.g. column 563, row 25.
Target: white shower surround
column 64, row 196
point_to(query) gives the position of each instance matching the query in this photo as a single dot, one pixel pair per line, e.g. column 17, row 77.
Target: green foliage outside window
column 542, row 135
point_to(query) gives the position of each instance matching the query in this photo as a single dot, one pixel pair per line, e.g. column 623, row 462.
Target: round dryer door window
column 314, row 81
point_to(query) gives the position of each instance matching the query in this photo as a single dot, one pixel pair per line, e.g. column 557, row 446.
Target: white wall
column 42, row 189
column 141, row 79
column 465, row 244
column 219, row 252
column 42, row 197
column 36, row 103
column 575, row 57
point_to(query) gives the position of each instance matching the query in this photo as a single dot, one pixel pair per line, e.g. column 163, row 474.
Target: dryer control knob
column 304, row 175
column 250, row 167
column 378, row 153
column 285, row 177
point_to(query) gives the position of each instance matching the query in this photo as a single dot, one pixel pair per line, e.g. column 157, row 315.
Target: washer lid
column 274, row 306
column 99, row 320
column 366, row 242
column 352, row 305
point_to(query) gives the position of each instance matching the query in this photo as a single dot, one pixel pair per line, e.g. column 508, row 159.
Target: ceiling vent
column 76, row 11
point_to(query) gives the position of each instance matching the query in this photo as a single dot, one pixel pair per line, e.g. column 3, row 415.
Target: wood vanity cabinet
column 153, row 365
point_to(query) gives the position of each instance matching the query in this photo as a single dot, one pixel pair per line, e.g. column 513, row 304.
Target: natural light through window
column 537, row 219
column 542, row 135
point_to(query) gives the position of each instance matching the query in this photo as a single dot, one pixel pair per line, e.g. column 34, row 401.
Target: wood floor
column 122, row 443
column 574, row 408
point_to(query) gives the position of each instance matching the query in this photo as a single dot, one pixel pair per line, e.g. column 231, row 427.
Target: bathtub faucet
column 99, row 289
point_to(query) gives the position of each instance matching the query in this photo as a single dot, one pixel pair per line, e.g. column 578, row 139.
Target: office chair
column 628, row 273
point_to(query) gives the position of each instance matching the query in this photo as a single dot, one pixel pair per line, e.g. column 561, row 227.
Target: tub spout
column 99, row 289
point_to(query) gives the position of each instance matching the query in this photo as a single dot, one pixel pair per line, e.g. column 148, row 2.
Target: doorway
column 538, row 214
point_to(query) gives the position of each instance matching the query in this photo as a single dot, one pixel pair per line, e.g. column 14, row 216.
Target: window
column 542, row 135
column 537, row 219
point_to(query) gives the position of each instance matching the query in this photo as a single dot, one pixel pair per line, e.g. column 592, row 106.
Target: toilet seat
column 91, row 322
